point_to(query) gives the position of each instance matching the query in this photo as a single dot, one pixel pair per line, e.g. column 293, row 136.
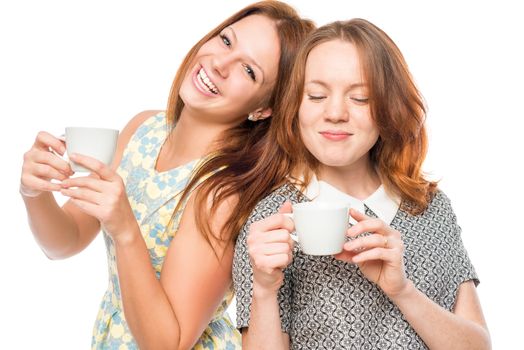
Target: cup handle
column 293, row 235
column 63, row 139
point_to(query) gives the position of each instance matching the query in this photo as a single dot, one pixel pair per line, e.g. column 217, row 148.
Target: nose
column 221, row 64
column 337, row 110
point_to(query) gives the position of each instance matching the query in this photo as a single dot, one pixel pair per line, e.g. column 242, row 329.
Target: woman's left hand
column 102, row 195
column 379, row 255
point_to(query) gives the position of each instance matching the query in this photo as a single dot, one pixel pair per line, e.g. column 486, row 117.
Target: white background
column 100, row 62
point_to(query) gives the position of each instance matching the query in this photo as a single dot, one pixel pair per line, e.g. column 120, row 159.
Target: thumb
column 357, row 215
column 286, row 208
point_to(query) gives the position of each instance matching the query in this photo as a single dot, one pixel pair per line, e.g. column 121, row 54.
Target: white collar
column 380, row 202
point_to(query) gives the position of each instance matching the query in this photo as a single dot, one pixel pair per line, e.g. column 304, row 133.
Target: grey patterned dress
column 329, row 304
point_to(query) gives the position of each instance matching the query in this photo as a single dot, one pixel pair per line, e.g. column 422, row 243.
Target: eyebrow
column 326, row 85
column 253, row 61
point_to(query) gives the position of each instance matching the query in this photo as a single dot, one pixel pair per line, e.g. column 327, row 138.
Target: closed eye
column 316, row 97
column 362, row 100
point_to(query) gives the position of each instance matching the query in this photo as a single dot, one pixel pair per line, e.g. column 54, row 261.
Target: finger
column 276, row 236
column 35, row 183
column 291, row 243
column 357, row 215
column 45, row 140
column 285, row 208
column 368, row 242
column 96, row 166
column 374, row 254
column 52, row 160
column 83, row 194
column 274, row 222
column 47, row 172
column 345, row 255
column 89, row 182
column 277, row 261
column 275, row 249
column 369, row 225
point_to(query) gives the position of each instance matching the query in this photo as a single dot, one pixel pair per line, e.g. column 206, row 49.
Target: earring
column 252, row 117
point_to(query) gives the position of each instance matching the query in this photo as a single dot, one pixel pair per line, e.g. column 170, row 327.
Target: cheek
column 372, row 132
column 240, row 88
column 307, row 117
column 208, row 47
column 307, row 133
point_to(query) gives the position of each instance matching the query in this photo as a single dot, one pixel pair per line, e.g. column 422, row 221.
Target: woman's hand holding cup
column 270, row 248
column 42, row 164
column 379, row 255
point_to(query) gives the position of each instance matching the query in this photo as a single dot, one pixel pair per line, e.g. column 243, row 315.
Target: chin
column 334, row 164
column 330, row 162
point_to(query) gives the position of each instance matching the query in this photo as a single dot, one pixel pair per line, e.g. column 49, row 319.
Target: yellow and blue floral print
column 153, row 197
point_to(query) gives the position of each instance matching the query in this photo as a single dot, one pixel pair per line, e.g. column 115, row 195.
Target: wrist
column 127, row 238
column 404, row 293
column 29, row 193
column 262, row 292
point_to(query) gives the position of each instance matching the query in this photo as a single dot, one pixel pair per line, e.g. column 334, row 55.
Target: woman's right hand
column 41, row 166
column 270, row 249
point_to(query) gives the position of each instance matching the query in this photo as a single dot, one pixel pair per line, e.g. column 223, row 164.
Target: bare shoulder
column 135, row 122
column 128, row 131
column 219, row 213
column 212, row 214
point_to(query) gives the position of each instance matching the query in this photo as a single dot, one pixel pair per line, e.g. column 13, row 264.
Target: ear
column 263, row 113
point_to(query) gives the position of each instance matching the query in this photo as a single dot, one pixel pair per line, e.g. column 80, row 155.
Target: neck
column 359, row 180
column 191, row 138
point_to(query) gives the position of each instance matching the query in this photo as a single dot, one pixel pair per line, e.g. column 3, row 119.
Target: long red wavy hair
column 234, row 166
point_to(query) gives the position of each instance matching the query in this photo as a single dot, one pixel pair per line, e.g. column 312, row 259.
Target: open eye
column 250, row 71
column 225, row 40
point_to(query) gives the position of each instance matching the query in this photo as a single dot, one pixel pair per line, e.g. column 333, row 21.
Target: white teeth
column 206, row 81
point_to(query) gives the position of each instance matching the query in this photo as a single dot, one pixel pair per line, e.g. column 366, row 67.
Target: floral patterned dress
column 153, row 196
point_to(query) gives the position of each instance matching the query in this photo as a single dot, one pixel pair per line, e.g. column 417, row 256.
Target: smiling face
column 334, row 117
column 234, row 72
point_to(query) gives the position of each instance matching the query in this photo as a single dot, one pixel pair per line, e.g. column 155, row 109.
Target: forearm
column 439, row 328
column 264, row 330
column 54, row 229
column 147, row 309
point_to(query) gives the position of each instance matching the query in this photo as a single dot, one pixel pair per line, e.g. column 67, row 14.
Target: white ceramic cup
column 321, row 226
column 98, row 143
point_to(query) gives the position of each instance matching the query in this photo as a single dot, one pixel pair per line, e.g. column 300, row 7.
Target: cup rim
column 321, row 205
column 90, row 128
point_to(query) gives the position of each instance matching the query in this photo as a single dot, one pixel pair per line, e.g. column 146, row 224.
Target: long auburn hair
column 234, row 168
column 396, row 106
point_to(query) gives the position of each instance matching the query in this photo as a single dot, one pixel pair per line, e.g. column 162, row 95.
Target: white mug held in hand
column 98, row 143
column 321, row 226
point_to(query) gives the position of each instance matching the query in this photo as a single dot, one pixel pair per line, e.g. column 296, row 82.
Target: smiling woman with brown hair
column 170, row 278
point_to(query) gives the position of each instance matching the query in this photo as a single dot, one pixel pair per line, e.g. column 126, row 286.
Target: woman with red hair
column 352, row 129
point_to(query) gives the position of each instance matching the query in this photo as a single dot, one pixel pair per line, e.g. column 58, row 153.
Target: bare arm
column 60, row 232
column 379, row 257
column 464, row 328
column 170, row 313
column 270, row 250
column 173, row 312
column 264, row 330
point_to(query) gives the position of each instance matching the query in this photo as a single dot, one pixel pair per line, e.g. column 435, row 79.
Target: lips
column 204, row 84
column 335, row 135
